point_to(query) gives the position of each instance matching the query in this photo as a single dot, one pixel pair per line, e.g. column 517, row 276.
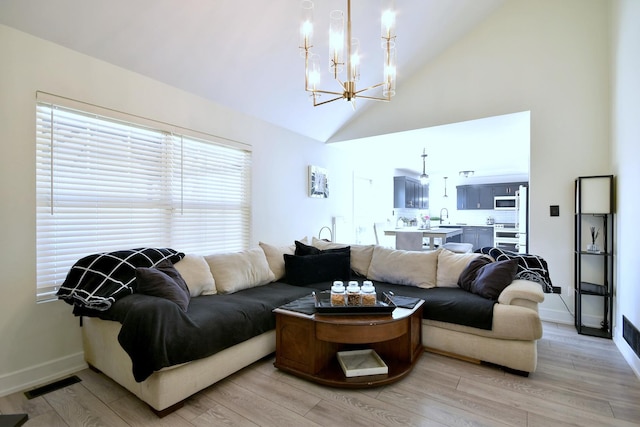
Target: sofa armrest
column 523, row 293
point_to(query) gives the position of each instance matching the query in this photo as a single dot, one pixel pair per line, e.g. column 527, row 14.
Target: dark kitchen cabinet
column 410, row 193
column 507, row 188
column 481, row 196
column 593, row 254
column 479, row 237
column 474, row 197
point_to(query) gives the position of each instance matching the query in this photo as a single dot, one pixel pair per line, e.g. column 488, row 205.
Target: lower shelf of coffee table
column 333, row 375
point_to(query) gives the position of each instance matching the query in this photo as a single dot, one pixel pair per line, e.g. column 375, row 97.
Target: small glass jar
column 353, row 293
column 368, row 292
column 338, row 294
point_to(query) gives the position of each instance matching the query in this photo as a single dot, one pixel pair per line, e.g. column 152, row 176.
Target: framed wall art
column 318, row 182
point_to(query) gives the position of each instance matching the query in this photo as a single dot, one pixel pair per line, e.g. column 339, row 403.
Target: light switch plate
column 554, row 210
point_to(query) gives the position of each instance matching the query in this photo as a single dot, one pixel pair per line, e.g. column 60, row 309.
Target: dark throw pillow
column 304, row 250
column 163, row 281
column 470, row 272
column 323, row 267
column 494, row 277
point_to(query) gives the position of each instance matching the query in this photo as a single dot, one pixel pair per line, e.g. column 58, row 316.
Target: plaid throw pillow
column 97, row 281
column 530, row 267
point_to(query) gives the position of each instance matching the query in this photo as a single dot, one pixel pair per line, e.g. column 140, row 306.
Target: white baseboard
column 44, row 373
column 555, row 316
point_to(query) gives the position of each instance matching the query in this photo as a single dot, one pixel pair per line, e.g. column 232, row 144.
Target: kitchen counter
column 440, row 232
column 460, row 224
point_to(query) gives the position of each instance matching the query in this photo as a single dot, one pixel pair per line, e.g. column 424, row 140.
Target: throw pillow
column 306, row 269
column 233, row 272
column 360, row 254
column 275, row 257
column 450, row 265
column 196, row 274
column 404, row 267
column 530, row 267
column 470, row 272
column 163, row 281
column 493, row 278
column 303, row 250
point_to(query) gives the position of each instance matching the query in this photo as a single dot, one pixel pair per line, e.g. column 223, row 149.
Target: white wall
column 39, row 342
column 549, row 57
column 626, row 153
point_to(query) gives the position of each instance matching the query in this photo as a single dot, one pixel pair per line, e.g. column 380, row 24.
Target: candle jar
column 338, row 294
column 368, row 292
column 353, row 294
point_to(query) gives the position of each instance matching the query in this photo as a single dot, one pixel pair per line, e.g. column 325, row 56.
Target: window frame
column 200, row 206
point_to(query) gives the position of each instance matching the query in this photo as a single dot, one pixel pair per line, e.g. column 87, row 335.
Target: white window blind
column 105, row 184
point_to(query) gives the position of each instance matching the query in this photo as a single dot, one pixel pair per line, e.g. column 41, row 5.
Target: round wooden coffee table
column 306, row 345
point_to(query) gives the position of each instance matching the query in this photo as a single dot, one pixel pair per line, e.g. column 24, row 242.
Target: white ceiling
column 244, row 54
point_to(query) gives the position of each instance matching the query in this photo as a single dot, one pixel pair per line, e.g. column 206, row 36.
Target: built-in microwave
column 505, row 203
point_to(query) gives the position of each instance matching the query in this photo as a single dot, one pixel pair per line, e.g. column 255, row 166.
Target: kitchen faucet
column 443, row 210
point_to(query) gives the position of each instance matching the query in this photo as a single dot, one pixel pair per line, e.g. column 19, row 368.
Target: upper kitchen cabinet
column 507, row 188
column 474, row 197
column 481, row 196
column 410, row 193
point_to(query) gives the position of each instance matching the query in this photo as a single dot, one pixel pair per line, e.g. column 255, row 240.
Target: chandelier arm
column 315, row 104
column 326, row 91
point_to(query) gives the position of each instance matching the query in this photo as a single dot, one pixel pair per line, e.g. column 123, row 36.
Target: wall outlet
column 557, row 290
column 554, row 210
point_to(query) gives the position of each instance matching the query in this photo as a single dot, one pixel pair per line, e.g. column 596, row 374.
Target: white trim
column 555, row 316
column 43, row 373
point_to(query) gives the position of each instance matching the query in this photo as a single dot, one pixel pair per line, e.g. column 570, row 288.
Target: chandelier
column 338, row 44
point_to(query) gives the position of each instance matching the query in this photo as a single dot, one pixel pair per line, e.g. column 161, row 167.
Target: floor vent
column 51, row 387
column 631, row 335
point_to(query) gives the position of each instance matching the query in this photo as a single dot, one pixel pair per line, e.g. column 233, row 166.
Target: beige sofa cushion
column 360, row 254
column 404, row 267
column 450, row 265
column 510, row 322
column 196, row 273
column 275, row 256
column 241, row 270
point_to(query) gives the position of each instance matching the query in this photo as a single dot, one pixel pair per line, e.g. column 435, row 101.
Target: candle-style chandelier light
column 338, row 44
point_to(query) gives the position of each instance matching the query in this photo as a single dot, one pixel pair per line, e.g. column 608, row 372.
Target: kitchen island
column 431, row 233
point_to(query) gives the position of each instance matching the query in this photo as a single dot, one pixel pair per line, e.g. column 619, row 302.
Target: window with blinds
column 106, row 184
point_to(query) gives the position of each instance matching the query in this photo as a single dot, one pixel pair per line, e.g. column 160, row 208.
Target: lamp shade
column 594, row 194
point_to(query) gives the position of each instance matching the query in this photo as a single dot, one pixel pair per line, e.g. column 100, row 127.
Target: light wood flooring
column 580, row 381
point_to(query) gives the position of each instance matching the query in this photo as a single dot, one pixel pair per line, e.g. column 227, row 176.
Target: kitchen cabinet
column 474, row 197
column 593, row 253
column 479, row 237
column 410, row 193
column 507, row 188
column 481, row 196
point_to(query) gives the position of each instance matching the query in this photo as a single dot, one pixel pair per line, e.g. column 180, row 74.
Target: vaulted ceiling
column 244, row 54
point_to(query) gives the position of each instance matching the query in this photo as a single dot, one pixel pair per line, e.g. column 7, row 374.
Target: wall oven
column 506, row 236
column 505, row 203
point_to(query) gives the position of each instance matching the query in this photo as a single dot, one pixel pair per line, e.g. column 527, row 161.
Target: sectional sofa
column 164, row 352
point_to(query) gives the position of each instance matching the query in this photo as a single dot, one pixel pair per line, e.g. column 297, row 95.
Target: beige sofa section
column 512, row 342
